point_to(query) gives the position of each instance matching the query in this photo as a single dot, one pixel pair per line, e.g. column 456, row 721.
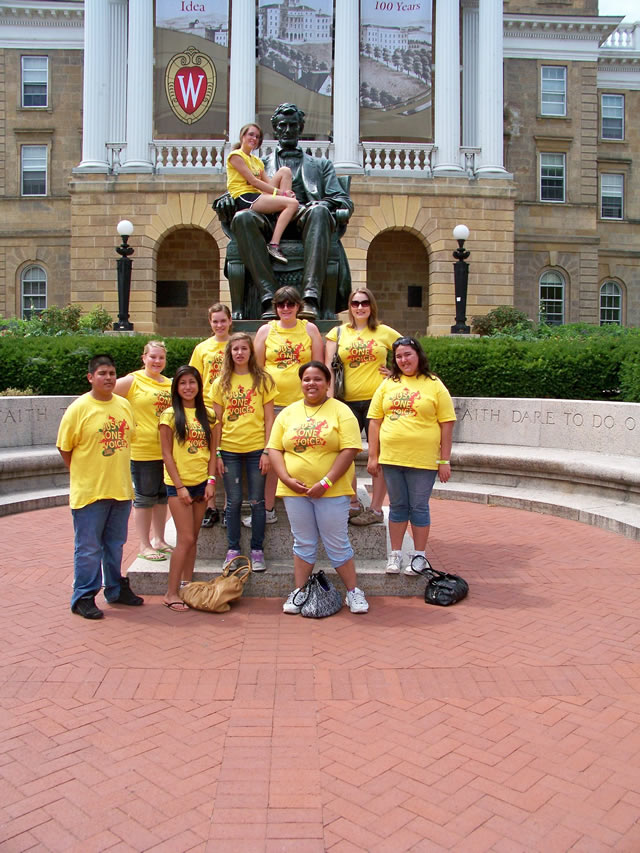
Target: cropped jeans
column 233, row 466
column 100, row 533
column 409, row 492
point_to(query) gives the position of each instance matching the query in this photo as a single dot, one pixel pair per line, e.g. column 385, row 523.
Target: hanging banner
column 395, row 70
column 295, row 62
column 191, row 66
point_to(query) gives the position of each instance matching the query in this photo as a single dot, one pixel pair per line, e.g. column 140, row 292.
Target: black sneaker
column 127, row 596
column 87, row 607
column 211, row 517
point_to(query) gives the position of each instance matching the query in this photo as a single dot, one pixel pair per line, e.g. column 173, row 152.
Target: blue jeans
column 326, row 518
column 409, row 492
column 100, row 533
column 233, row 465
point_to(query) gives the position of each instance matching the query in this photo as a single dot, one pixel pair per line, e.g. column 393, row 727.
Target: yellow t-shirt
column 362, row 353
column 99, row 434
column 207, row 357
column 192, row 457
column 311, row 444
column 285, row 351
column 236, row 184
column 243, row 414
column 412, row 410
column 148, row 400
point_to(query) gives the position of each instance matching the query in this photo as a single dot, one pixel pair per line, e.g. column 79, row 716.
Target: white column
column 469, row 77
column 139, row 87
column 447, row 88
column 346, row 87
column 242, row 76
column 95, row 91
column 490, row 88
column 118, row 65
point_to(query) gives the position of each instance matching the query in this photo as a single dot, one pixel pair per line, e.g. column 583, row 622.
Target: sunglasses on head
column 404, row 342
column 362, row 302
column 288, row 303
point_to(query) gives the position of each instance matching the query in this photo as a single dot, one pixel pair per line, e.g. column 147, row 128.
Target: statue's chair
column 245, row 299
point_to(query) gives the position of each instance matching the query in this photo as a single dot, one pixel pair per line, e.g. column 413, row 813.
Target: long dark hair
column 178, row 407
column 423, row 361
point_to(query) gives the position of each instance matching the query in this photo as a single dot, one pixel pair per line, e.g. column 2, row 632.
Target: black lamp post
column 125, row 230
column 461, row 279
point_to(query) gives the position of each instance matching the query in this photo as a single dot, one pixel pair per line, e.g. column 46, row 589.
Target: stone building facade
column 533, row 149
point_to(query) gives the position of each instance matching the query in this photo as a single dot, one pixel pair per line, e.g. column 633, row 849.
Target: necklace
column 316, row 411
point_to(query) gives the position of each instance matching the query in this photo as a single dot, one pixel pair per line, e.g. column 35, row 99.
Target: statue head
column 287, row 123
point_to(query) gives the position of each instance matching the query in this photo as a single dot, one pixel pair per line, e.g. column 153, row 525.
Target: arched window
column 610, row 304
column 552, row 298
column 34, row 291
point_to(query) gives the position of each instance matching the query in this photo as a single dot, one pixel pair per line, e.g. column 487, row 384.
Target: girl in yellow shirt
column 245, row 175
column 187, row 441
column 243, row 404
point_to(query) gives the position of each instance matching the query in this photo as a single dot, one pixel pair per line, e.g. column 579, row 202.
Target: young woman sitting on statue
column 251, row 188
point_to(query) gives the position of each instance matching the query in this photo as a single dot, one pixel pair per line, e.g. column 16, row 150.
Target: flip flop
column 167, row 550
column 176, row 606
column 153, row 558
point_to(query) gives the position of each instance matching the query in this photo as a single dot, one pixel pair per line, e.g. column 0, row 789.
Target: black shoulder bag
column 442, row 588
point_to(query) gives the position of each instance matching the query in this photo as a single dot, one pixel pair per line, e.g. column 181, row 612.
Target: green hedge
column 592, row 368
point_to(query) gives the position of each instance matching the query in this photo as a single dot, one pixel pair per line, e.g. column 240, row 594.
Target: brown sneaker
column 355, row 510
column 274, row 251
column 366, row 517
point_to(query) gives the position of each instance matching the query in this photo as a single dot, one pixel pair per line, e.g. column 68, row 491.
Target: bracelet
column 443, row 462
column 324, row 483
column 275, row 192
column 265, row 452
column 180, row 487
column 218, row 454
column 211, row 480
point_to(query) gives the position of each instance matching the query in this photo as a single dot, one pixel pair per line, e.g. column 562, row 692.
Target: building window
column 553, row 91
column 552, row 299
column 611, row 196
column 612, row 116
column 552, row 169
column 34, row 169
column 35, row 81
column 34, row 291
column 610, row 304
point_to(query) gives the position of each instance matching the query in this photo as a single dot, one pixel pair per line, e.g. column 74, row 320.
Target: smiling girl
column 187, row 440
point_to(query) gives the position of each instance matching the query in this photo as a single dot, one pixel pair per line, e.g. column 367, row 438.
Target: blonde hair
column 260, row 378
column 372, row 319
column 150, row 344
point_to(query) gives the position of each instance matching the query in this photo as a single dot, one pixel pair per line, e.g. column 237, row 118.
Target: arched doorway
column 187, row 282
column 398, row 274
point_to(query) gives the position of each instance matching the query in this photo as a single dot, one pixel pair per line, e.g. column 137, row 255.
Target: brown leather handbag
column 215, row 595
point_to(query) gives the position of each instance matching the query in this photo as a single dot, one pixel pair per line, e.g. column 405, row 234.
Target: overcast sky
column 630, row 8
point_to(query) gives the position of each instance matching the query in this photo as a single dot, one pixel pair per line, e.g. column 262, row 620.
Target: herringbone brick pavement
column 509, row 723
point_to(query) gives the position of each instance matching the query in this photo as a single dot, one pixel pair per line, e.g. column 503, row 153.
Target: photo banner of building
column 395, row 70
column 295, row 62
column 191, row 65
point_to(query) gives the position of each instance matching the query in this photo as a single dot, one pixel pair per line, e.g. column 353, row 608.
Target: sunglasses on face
column 287, row 304
column 364, row 303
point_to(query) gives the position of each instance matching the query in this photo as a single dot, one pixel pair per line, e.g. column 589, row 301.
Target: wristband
column 324, row 484
column 211, row 480
column 275, row 192
column 443, row 462
column 265, row 452
column 218, row 454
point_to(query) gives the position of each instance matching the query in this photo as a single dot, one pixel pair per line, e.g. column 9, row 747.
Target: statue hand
column 225, row 207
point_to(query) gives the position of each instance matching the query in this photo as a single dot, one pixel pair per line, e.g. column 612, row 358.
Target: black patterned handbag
column 442, row 588
column 318, row 597
column 337, row 368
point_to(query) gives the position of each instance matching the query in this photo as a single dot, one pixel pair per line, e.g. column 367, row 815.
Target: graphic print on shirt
column 196, row 438
column 162, row 402
column 214, row 366
column 114, row 436
column 239, row 403
column 360, row 352
column 402, row 404
column 308, row 434
column 287, row 354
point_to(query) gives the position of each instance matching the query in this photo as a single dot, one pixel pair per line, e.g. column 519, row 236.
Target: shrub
column 58, row 321
column 630, row 379
column 500, row 319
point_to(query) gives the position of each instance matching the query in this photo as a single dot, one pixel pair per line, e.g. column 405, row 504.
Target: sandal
column 153, row 558
column 211, row 517
column 176, row 606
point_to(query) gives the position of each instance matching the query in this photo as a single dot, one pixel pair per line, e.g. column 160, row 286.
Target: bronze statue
column 325, row 209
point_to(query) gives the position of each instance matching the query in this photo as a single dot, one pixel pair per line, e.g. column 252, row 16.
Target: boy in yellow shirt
column 94, row 440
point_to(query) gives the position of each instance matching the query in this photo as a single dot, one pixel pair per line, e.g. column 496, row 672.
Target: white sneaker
column 420, row 564
column 257, row 561
column 394, row 563
column 289, row 606
column 270, row 519
column 356, row 601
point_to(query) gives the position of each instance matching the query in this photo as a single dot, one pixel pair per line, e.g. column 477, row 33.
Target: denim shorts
column 148, row 483
column 196, row 492
column 409, row 492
